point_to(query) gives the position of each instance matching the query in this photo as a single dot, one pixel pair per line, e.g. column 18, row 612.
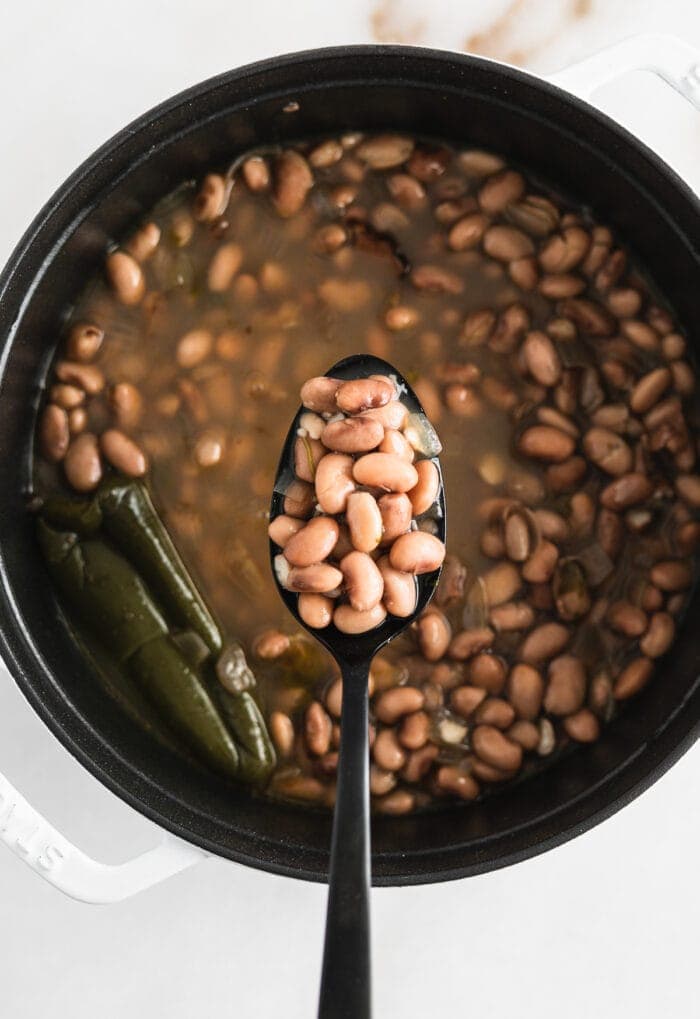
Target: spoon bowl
column 346, row 979
column 358, row 647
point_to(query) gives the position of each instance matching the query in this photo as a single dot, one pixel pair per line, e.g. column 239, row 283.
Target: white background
column 604, row 926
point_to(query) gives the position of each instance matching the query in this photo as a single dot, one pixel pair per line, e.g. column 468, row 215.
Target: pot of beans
column 529, row 268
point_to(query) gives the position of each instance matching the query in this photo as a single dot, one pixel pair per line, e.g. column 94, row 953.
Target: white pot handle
column 58, row 861
column 677, row 62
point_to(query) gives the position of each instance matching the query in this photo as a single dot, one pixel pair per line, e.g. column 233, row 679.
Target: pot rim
column 49, row 230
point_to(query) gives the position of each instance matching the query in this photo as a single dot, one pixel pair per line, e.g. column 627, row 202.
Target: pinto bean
column 566, row 685
column 640, row 334
column 525, row 691
column 470, row 642
column 320, row 578
column 352, row 435
column 452, row 779
column 627, row 619
column 417, row 552
column 507, row 243
column 123, row 453
column 659, row 636
column 563, row 252
column 84, row 342
column 318, row 394
column 87, row 377
column 496, row 749
column 466, row 699
column 126, row 404
column 500, row 584
column 544, row 642
column 211, row 198
column 628, row 490
column 271, row 644
column 282, row 733
column 591, row 318
column 632, row 678
column 223, row 267
column 333, row 482
column 495, row 711
column 387, row 751
column 363, row 581
column 364, row 394
column 540, row 567
column 671, row 575
column 385, row 471
column 649, row 389
column 293, row 180
column 54, row 433
column 391, row 705
column 414, row 730
column 282, row 528
column 349, row 620
column 400, row 593
column 364, row 521
column 125, row 277
column 312, row 543
column 500, row 190
column 82, row 464
column 463, row 401
column 385, row 151
column 436, row 279
column 512, row 616
column 392, row 415
column 396, row 513
column 559, row 286
column 401, row 801
column 66, row 396
column 608, row 451
column 541, row 358
column 317, row 729
column 425, row 492
column 395, row 442
column 582, row 726
column 487, row 671
column 434, row 634
column 380, row 782
column 468, row 231
column 541, row 442
column 316, row 610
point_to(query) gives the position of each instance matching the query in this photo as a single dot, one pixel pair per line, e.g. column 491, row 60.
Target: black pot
column 468, row 102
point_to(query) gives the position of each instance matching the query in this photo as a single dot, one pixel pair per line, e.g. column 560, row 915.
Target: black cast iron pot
column 468, row 102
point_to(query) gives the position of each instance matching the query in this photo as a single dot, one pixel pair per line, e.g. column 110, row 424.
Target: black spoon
column 345, row 978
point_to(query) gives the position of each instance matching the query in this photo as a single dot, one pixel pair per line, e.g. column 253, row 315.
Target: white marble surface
column 604, row 926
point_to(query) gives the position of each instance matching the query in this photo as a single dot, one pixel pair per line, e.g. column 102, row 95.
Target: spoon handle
column 345, row 978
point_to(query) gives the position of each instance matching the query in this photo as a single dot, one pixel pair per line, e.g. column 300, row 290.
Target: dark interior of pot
column 466, row 102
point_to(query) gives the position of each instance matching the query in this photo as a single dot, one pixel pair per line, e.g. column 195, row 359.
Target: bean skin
column 316, row 610
column 391, row 705
column 417, row 552
column 566, row 685
column 541, row 442
column 396, row 512
column 466, row 699
column 125, row 277
column 319, row 394
column 364, row 584
column 525, row 691
column 293, row 180
column 308, row 453
column 54, row 433
column 544, row 642
column 123, row 453
column 317, row 729
column 363, row 394
column 364, row 521
column 434, row 634
column 385, row 471
column 387, row 751
column 426, row 490
column 352, row 435
column 495, row 749
column 312, row 543
column 334, row 482
column 348, row 620
column 84, row 342
column 282, row 733
column 400, row 593
column 583, row 726
column 632, row 678
column 659, row 637
column 317, row 579
column 82, row 463
column 459, row 783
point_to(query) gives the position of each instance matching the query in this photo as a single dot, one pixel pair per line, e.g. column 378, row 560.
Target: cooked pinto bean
column 82, row 463
column 434, row 634
column 417, row 552
column 399, row 589
column 54, row 433
column 566, row 685
column 391, row 705
column 364, row 521
column 352, row 435
column 632, row 678
column 123, row 453
column 316, row 610
column 496, row 749
column 312, row 543
column 364, row 584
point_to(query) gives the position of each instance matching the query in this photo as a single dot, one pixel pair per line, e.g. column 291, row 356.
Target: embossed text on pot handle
column 58, row 861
